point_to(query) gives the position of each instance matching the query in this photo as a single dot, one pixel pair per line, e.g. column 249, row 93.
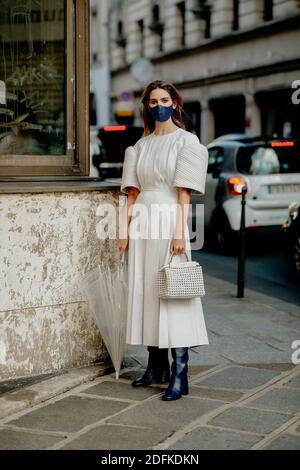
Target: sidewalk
column 244, row 391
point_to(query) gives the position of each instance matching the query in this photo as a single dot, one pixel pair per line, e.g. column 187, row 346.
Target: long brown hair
column 177, row 116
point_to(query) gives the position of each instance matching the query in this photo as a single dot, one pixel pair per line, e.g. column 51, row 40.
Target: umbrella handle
column 123, row 257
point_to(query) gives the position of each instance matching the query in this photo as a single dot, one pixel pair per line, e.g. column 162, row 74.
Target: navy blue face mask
column 161, row 113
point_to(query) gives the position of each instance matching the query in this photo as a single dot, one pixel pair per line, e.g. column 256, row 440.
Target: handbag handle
column 185, row 253
column 169, row 263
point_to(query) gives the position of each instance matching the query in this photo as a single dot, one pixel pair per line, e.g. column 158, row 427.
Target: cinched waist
column 166, row 189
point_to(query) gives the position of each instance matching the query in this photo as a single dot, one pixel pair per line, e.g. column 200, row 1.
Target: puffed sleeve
column 191, row 166
column 129, row 176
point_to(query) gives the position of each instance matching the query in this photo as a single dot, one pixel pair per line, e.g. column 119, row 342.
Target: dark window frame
column 141, row 28
column 75, row 163
column 268, row 10
column 182, row 11
column 156, row 25
column 236, row 15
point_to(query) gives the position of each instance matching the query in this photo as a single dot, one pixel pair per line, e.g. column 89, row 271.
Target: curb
column 26, row 397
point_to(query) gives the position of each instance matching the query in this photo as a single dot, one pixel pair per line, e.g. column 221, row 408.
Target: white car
column 270, row 169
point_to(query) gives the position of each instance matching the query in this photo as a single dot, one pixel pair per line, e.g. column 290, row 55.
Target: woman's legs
column 178, row 385
column 158, row 368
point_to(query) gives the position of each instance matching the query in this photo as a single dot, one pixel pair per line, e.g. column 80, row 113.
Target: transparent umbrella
column 106, row 290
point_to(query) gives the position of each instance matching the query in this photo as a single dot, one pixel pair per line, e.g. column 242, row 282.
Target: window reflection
column 264, row 162
column 32, row 77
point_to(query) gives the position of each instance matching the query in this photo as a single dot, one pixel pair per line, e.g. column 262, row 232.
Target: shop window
column 44, row 88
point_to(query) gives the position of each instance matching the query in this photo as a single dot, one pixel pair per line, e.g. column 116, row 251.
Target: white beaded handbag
column 181, row 280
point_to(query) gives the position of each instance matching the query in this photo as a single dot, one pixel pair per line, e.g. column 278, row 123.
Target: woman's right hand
column 123, row 245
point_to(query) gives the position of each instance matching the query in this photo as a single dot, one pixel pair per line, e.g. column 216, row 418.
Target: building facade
column 48, row 202
column 234, row 61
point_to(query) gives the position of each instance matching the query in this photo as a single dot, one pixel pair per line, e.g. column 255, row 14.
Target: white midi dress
column 157, row 166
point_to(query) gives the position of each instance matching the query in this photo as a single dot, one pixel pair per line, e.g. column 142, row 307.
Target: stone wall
column 46, row 241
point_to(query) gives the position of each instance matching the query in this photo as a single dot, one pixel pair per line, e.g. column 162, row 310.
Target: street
column 266, row 269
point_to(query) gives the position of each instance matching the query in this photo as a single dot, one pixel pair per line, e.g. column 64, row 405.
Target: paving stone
column 122, row 390
column 256, row 353
column 114, row 437
column 170, row 416
column 196, row 370
column 209, row 358
column 281, row 367
column 228, row 396
column 130, row 361
column 238, row 378
column 137, row 355
column 213, row 439
column 267, row 328
column 280, row 399
column 294, row 382
column 245, row 348
column 284, row 442
column 280, row 346
column 69, row 414
column 227, row 329
column 18, row 440
column 246, row 419
column 132, row 374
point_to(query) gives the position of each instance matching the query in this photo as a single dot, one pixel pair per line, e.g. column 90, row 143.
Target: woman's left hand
column 177, row 246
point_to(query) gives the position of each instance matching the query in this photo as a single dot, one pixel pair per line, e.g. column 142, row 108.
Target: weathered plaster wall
column 46, row 241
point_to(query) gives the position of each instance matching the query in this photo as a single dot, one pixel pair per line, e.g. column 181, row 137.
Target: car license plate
column 284, row 188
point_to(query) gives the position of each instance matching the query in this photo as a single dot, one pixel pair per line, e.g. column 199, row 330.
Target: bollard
column 242, row 253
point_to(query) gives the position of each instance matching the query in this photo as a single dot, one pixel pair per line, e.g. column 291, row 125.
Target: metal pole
column 242, row 253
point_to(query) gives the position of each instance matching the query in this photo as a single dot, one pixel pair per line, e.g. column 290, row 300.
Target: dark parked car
column 292, row 236
column 114, row 141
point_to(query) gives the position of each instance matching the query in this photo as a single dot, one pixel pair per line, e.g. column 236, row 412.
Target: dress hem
column 169, row 346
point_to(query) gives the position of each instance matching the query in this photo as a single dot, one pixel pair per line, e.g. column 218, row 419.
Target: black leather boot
column 162, row 369
column 158, row 368
column 178, row 385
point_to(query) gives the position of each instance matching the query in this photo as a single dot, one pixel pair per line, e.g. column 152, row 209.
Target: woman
column 160, row 171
